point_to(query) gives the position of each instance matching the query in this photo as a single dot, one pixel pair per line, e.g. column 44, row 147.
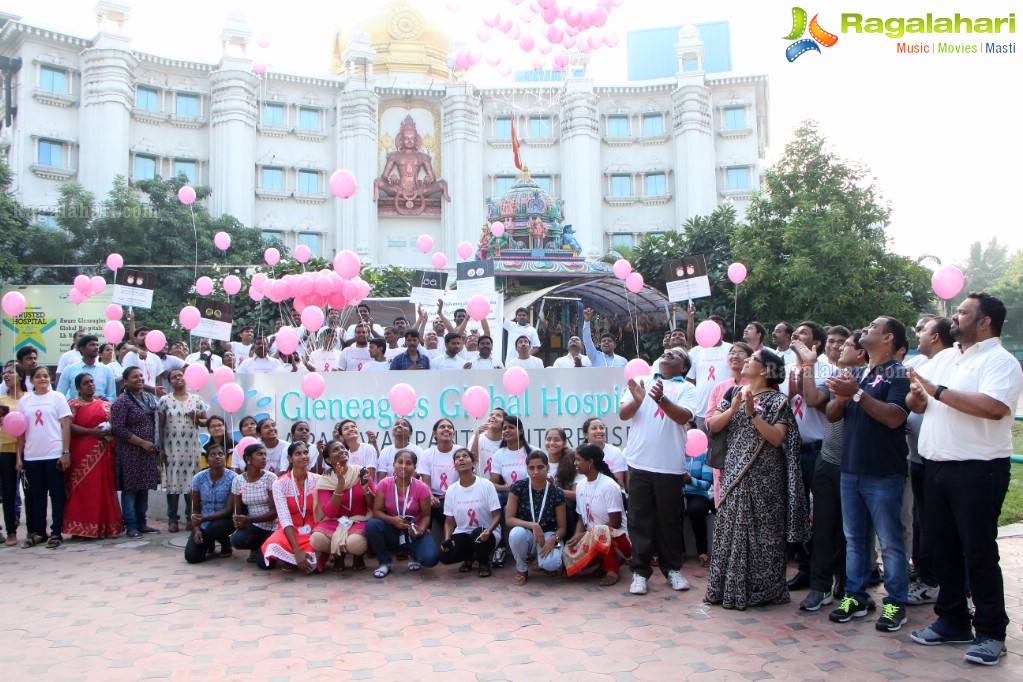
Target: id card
column 345, row 521
column 305, row 530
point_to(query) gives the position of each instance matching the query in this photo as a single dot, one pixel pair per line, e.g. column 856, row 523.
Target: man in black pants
column 657, row 472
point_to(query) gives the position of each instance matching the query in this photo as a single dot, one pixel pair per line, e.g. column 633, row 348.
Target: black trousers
column 807, row 463
column 923, row 551
column 45, row 481
column 827, row 551
column 467, row 549
column 9, row 490
column 251, row 537
column 218, row 531
column 655, row 521
column 964, row 500
column 697, row 509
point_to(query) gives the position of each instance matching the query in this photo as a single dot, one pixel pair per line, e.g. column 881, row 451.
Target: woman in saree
column 92, row 509
column 761, row 504
column 343, row 504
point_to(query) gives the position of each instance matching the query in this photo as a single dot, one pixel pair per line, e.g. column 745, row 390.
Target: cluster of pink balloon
column 543, row 31
column 86, row 287
column 337, row 288
column 259, row 63
column 623, row 271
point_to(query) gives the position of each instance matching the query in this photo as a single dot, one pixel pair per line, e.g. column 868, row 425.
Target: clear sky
column 940, row 132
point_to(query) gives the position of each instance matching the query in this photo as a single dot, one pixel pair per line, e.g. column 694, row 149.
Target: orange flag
column 515, row 146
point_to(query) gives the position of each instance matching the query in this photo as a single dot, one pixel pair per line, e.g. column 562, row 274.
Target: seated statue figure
column 401, row 177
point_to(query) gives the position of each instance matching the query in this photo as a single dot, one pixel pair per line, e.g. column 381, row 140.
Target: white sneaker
column 638, row 585
column 678, row 581
column 922, row 593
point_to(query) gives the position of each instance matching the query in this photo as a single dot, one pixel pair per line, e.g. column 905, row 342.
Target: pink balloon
column 222, row 240
column 303, row 253
column 573, row 16
column 272, row 256
column 15, row 424
column 737, row 273
column 611, row 39
column 97, row 284
column 527, row 43
column 114, row 311
column 263, row 42
column 505, row 26
column 115, row 262
column 515, row 380
column 186, row 195
column 76, row 296
column 239, row 449
column 113, row 331
column 232, row 285
column 259, row 66
column 189, row 317
column 696, row 443
column 555, row 34
column 492, row 20
column 231, row 396
column 351, row 291
column 204, row 286
column 313, row 385
column 537, row 64
column 550, row 15
column 476, row 401
column 286, row 340
column 312, row 318
column 504, row 70
column 636, row 368
column 343, row 184
column 363, row 288
column 464, row 250
column 424, row 243
column 708, row 333
column 439, row 260
column 156, row 341
column 461, row 60
column 473, row 57
column 255, row 294
column 497, row 229
column 622, row 268
column 83, row 283
column 478, row 308
column 323, row 286
column 545, row 4
column 196, row 377
column 568, row 42
column 484, row 33
column 947, row 282
column 403, row 399
column 494, row 60
column 14, row 303
column 347, row 264
column 223, row 375
column 634, row 282
column 598, row 17
column 259, row 279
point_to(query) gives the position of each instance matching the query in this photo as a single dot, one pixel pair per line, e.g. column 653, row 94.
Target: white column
column 462, row 145
column 233, row 117
column 108, row 93
column 581, row 177
column 355, row 219
column 695, row 179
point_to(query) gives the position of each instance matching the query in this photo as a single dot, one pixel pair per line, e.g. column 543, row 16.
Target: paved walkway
column 129, row 610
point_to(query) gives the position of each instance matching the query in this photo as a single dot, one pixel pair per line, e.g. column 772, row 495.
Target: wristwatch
column 658, row 400
column 938, row 391
column 857, row 395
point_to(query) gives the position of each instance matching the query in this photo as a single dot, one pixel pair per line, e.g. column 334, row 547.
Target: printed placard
column 216, row 319
column 135, row 289
column 427, row 287
column 476, row 277
column 686, row 278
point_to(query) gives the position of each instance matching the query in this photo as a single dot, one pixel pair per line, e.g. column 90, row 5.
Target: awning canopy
column 607, row 295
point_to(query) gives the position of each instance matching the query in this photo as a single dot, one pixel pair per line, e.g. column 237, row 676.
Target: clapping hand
column 637, row 389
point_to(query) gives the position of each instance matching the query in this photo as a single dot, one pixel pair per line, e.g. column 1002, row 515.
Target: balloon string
column 735, row 314
column 195, row 232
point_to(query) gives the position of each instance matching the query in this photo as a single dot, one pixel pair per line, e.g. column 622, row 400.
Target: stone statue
column 401, row 177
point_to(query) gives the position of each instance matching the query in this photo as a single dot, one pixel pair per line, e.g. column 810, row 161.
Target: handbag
column 717, row 443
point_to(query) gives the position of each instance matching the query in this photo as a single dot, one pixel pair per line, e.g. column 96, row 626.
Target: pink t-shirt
column 392, row 505
column 717, row 393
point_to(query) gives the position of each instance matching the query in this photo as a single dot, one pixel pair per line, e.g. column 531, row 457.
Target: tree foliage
column 815, row 244
column 1009, row 288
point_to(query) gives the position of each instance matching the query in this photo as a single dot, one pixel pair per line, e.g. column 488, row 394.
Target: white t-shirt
column 303, row 337
column 445, row 361
column 710, row 367
column 355, row 357
column 376, row 366
column 326, row 360
column 812, row 422
column 510, row 465
column 440, row 467
column 515, row 330
column 196, row 359
column 350, row 332
column 472, row 507
column 265, row 365
column 67, row 359
column 151, row 366
column 532, row 362
column 569, row 361
column 240, row 350
column 487, row 363
column 365, row 456
column 44, row 438
column 596, row 500
column 487, row 448
column 392, row 353
column 615, row 459
column 657, row 443
column 385, row 464
column 276, row 458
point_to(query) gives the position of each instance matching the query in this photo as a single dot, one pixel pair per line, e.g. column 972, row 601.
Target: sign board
column 427, row 287
column 686, row 278
column 135, row 290
column 50, row 321
column 216, row 319
column 476, row 277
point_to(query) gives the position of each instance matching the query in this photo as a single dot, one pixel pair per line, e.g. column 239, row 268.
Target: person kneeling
column 343, row 505
column 599, row 539
column 539, row 500
column 401, row 520
column 466, row 506
column 211, row 494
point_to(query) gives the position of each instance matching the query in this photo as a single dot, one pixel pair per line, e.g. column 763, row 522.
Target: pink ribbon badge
column 472, row 518
column 490, row 466
column 39, row 417
column 443, row 481
column 710, row 374
column 589, row 516
column 514, row 476
column 798, row 409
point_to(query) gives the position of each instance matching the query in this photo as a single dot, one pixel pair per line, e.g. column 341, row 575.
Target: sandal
column 54, row 542
column 610, row 578
column 359, row 563
column 467, row 566
column 339, row 563
column 32, row 541
column 382, row 571
column 414, row 565
column 520, row 579
column 704, row 561
column 484, row 571
column 225, row 553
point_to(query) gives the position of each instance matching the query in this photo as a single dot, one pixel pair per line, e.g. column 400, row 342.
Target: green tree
column 17, row 231
column 984, row 266
column 1009, row 288
column 815, row 243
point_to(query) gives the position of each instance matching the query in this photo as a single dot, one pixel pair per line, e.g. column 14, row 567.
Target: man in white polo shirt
column 968, row 395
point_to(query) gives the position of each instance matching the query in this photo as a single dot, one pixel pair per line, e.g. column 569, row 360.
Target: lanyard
column 543, row 503
column 402, row 509
column 305, row 501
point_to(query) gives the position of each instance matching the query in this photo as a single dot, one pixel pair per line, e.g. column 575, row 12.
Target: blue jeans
column 523, row 547
column 134, row 506
column 877, row 501
column 385, row 538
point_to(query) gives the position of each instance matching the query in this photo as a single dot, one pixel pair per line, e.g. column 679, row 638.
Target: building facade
column 628, row 159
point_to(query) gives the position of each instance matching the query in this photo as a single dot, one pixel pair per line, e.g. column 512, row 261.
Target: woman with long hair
column 595, row 433
column 276, row 449
column 43, row 453
column 133, row 423
column 294, row 498
column 216, row 427
column 472, row 514
column 535, row 515
column 436, row 468
column 342, row 506
column 254, row 515
column 562, row 460
column 211, row 509
column 401, row 435
column 359, row 453
column 401, row 518
column 510, row 458
column 487, row 441
column 762, row 505
column 737, row 355
column 599, row 538
column 181, row 414
column 92, row 509
column 246, row 429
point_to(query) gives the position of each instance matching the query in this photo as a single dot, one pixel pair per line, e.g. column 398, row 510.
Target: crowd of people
column 908, row 454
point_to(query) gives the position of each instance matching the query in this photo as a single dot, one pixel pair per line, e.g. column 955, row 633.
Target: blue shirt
column 702, row 476
column 106, row 384
column 869, row 447
column 212, row 496
column 403, row 361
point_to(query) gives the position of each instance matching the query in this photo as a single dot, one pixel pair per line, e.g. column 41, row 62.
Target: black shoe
column 497, row 560
column 800, row 581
